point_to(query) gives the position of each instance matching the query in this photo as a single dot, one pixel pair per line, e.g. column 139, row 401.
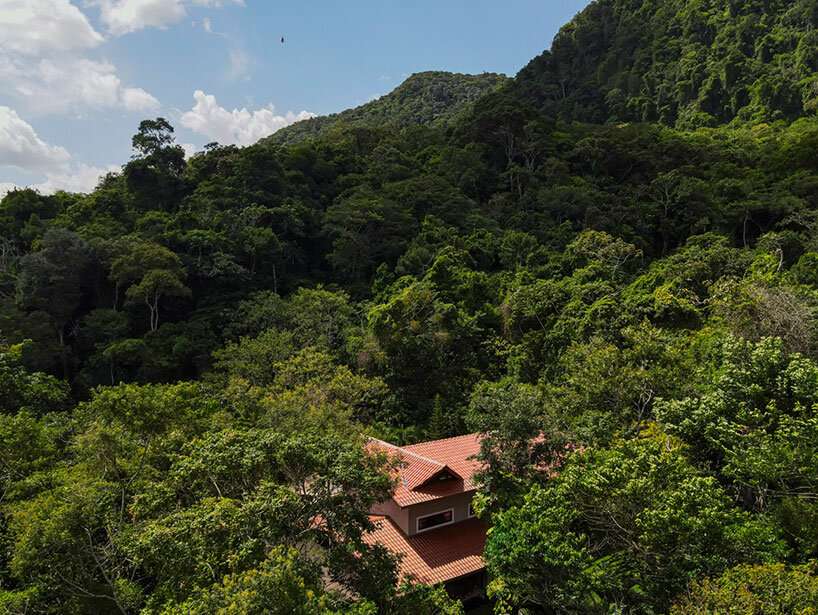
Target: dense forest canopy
column 424, row 99
column 684, row 63
column 614, row 256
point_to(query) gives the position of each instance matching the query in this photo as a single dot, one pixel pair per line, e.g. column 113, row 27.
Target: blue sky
column 78, row 75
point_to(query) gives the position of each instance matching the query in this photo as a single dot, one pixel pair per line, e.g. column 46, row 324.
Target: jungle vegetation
column 617, row 250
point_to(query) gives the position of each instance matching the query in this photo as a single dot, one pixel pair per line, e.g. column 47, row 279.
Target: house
column 429, row 519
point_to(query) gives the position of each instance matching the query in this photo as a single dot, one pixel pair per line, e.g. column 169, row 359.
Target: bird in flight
column 282, row 40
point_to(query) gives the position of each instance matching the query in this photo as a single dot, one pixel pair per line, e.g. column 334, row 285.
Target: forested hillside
column 685, row 63
column 190, row 354
column 433, row 98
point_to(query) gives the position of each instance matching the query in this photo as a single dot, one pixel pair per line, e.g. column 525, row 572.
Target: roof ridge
column 412, row 453
column 467, row 435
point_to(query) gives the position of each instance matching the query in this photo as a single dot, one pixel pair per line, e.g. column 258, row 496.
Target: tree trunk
column 153, row 308
column 155, row 322
column 63, row 354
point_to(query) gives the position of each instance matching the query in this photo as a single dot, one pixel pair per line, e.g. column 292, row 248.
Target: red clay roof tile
column 421, row 462
column 435, row 556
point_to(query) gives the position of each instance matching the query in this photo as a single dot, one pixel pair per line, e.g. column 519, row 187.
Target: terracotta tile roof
column 457, row 453
column 422, row 462
column 435, row 556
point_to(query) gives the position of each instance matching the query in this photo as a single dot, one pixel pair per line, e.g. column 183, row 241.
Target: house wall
column 399, row 515
column 459, row 502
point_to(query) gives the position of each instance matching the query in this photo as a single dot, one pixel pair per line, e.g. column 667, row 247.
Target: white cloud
column 70, row 83
column 137, row 99
column 239, row 126
column 80, row 178
column 124, row 16
column 189, row 148
column 21, row 147
column 218, row 3
column 33, row 27
column 43, row 61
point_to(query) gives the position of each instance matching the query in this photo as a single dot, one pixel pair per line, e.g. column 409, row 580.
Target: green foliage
column 253, row 359
column 755, row 422
column 148, row 272
column 159, row 486
column 430, row 98
column 426, row 345
column 365, row 230
column 30, row 447
column 154, row 173
column 235, row 491
column 607, row 388
column 520, row 439
column 22, row 390
column 625, row 526
column 282, row 584
column 683, row 63
column 51, row 281
column 772, row 589
column 624, row 310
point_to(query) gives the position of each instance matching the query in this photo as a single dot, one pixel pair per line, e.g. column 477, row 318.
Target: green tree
column 366, row 229
column 52, row 280
column 157, row 283
column 235, row 491
column 22, row 390
column 254, row 359
column 149, row 271
column 620, row 528
column 282, row 584
column 603, row 390
column 444, row 422
column 421, row 342
column 9, row 267
column 321, row 318
column 771, row 589
column 155, row 171
column 754, row 422
column 519, row 439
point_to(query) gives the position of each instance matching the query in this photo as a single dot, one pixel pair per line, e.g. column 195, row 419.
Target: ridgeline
column 608, row 266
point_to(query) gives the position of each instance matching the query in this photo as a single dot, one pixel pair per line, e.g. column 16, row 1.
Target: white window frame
column 434, row 527
column 470, row 511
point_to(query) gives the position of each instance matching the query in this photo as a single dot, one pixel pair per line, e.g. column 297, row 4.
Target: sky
column 77, row 76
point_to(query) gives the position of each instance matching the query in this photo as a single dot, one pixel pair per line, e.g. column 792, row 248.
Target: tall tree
column 149, row 271
column 52, row 280
column 155, row 171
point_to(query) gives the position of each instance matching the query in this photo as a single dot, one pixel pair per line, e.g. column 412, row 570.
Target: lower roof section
column 436, row 556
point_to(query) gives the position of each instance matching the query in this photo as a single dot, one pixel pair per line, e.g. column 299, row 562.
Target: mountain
column 427, row 98
column 684, row 63
column 186, row 348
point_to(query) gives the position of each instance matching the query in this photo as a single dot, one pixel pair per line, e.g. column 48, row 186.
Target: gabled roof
column 421, row 463
column 457, row 453
column 435, row 556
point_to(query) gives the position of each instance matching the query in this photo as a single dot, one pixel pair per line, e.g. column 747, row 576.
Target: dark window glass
column 441, row 518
